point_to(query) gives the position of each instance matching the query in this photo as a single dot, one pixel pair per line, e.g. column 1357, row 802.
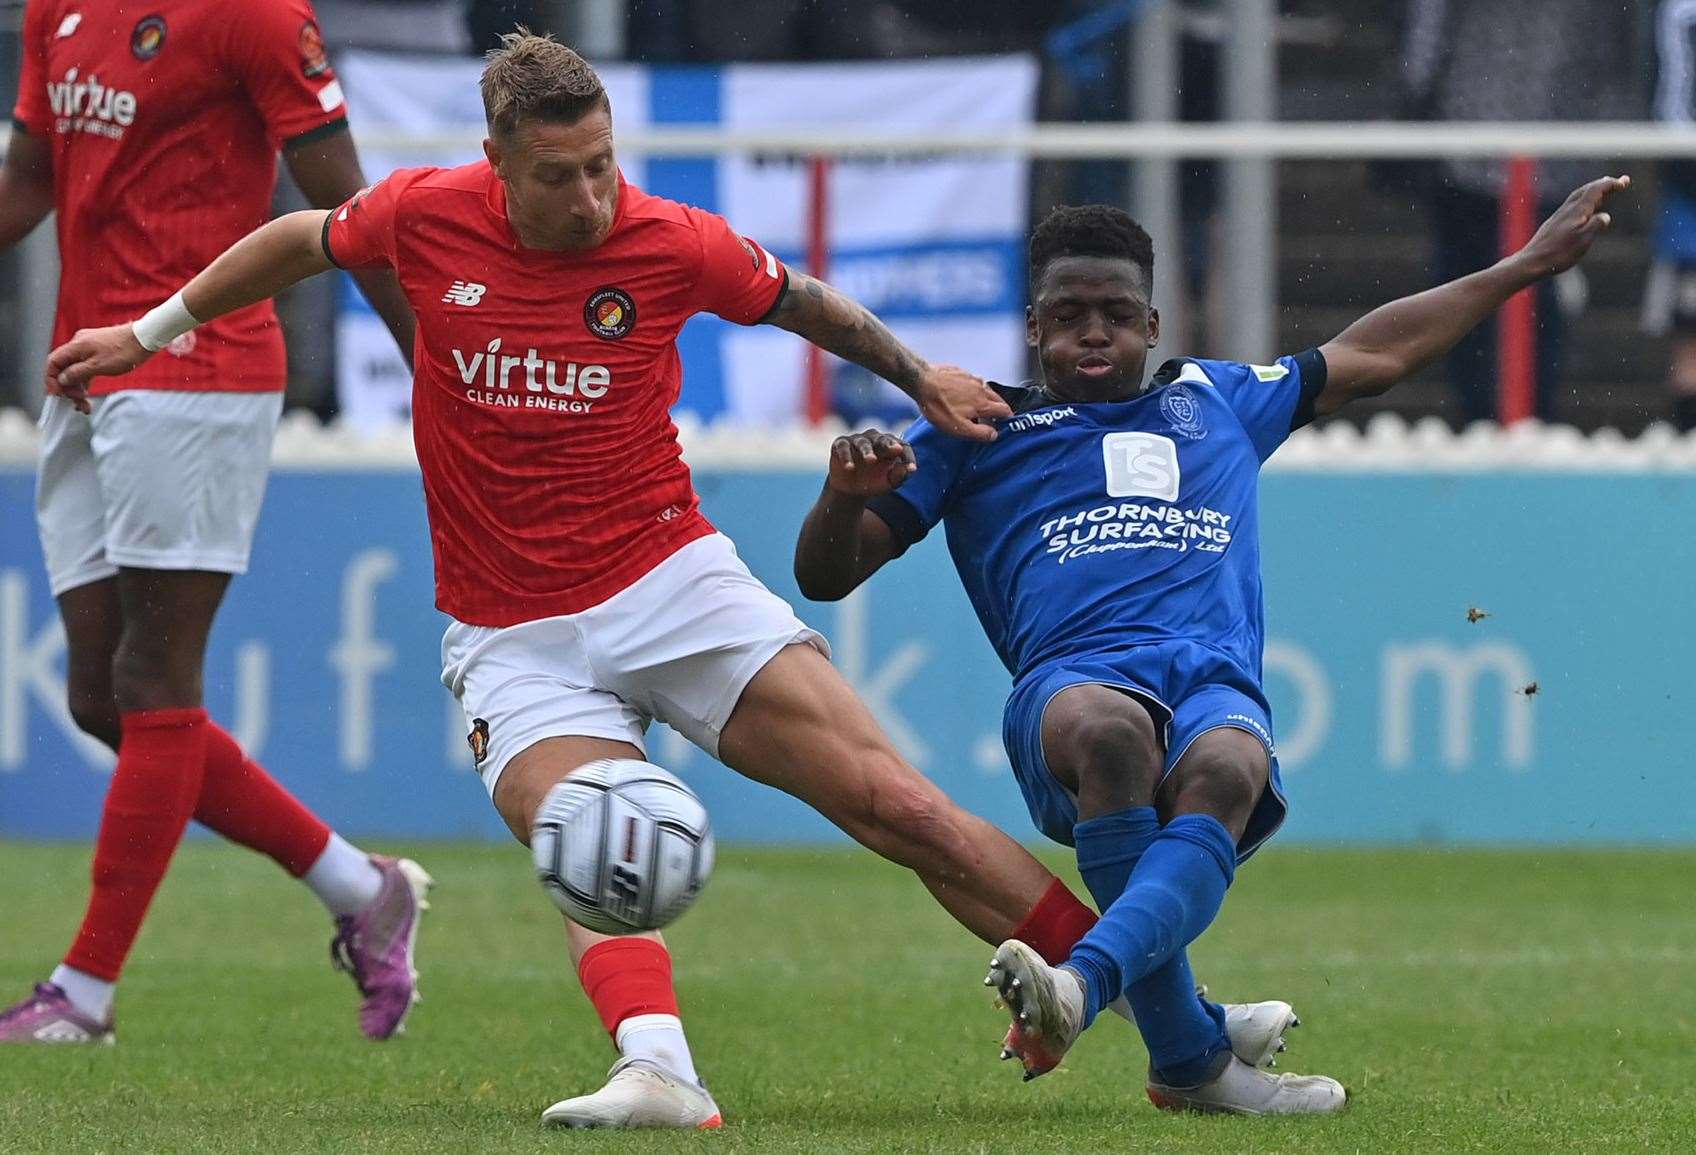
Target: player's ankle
column 657, row 1039
column 343, row 877
column 90, row 994
column 1204, row 1068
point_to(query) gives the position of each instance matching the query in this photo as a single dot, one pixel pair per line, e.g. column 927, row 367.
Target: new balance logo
column 466, row 293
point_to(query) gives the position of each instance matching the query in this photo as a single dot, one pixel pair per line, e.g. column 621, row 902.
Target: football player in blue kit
column 1108, row 541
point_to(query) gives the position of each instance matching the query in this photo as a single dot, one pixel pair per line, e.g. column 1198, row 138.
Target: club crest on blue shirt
column 1179, row 406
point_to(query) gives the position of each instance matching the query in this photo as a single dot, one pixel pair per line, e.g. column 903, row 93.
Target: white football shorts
column 679, row 645
column 153, row 478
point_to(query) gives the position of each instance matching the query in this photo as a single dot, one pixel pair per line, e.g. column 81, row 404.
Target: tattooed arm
column 956, row 401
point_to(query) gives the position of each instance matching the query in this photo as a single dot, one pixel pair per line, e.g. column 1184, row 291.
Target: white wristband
column 160, row 326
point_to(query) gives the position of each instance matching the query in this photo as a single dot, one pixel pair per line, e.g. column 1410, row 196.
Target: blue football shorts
column 1188, row 688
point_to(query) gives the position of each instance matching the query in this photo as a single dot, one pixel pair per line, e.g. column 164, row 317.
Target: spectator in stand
column 1510, row 60
column 1669, row 298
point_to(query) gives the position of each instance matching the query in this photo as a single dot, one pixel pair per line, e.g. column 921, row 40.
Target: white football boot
column 1046, row 1002
column 639, row 1093
column 1256, row 1030
column 1240, row 1089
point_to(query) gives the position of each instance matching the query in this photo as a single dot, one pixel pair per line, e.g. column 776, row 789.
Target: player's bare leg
column 1218, row 781
column 1105, row 745
column 94, row 624
column 627, row 978
column 136, row 643
column 800, row 727
column 1222, row 775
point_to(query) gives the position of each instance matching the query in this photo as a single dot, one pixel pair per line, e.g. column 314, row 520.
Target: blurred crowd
column 1615, row 345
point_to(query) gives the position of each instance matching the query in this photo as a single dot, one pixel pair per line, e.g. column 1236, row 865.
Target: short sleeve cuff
column 776, row 302
column 901, row 518
column 313, row 134
column 1310, row 364
column 324, row 238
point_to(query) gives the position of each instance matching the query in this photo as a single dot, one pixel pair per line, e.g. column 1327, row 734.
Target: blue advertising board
column 1565, row 716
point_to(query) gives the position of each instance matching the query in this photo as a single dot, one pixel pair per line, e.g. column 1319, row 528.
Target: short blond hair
column 531, row 76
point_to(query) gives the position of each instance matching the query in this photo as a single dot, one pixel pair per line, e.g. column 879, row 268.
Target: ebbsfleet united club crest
column 478, row 740
column 148, row 37
column 610, row 313
column 1179, row 406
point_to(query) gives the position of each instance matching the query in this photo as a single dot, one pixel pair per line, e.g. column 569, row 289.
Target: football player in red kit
column 152, row 130
column 588, row 593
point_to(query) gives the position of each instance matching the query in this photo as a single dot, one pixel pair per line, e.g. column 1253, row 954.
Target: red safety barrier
column 818, row 262
column 1516, row 326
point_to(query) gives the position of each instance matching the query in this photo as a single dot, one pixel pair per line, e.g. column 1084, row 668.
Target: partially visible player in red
column 588, row 593
column 153, row 131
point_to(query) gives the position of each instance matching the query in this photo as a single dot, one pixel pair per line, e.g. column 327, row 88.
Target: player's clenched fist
column 92, row 353
column 867, row 464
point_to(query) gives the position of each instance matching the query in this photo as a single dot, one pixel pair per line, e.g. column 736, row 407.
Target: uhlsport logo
column 1179, row 406
column 83, row 104
column 546, row 384
column 1041, row 419
column 610, row 313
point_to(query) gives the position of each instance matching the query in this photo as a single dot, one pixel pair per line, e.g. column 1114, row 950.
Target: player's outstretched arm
column 843, row 543
column 957, row 402
column 26, row 186
column 1402, row 337
column 260, row 265
column 327, row 171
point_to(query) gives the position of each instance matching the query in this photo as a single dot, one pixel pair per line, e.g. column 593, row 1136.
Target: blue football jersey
column 1087, row 527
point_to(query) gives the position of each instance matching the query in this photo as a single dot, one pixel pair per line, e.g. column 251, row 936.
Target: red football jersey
column 165, row 117
column 544, row 382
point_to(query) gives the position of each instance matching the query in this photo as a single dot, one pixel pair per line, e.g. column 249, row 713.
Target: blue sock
column 1109, row 848
column 1174, row 894
column 1183, row 1033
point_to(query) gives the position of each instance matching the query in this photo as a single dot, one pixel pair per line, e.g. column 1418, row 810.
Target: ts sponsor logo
column 545, row 384
column 1133, row 525
column 1141, row 465
column 86, row 105
column 1042, row 420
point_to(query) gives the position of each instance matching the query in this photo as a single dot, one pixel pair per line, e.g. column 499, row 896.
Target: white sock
column 92, row 996
column 344, row 878
column 659, row 1039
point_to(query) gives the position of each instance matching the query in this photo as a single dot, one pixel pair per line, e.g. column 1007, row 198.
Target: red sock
column 152, row 794
column 1055, row 924
column 625, row 977
column 239, row 800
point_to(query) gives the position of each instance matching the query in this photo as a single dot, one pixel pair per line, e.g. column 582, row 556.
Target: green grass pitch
column 1515, row 1001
